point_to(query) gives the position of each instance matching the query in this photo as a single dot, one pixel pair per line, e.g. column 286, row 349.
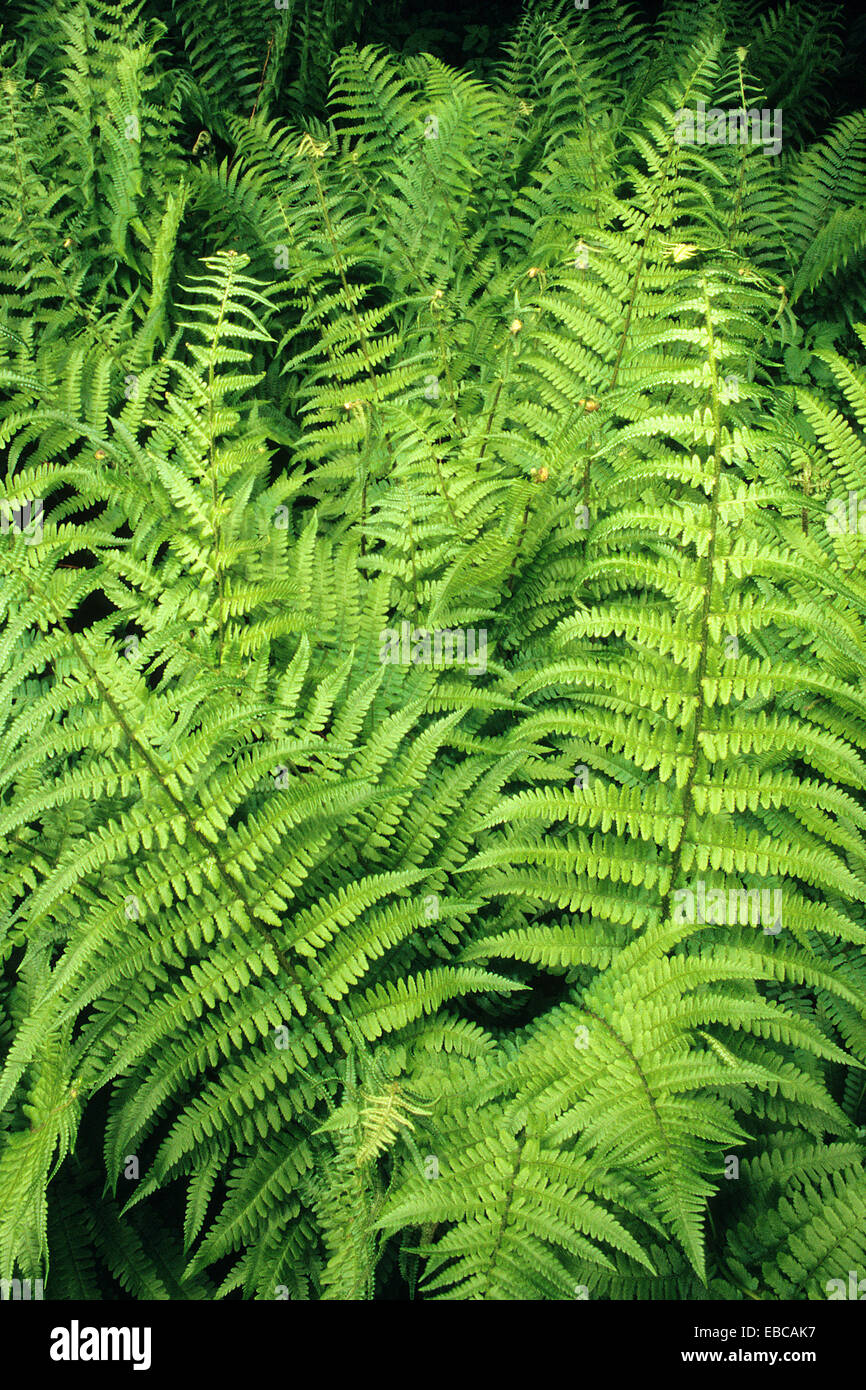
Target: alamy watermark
column 420, row 646
column 737, row 906
column 21, row 1289
column 22, row 518
column 736, row 126
column 856, row 1288
column 76, row 1343
column 846, row 516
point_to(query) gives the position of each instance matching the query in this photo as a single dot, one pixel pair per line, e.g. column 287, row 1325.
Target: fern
column 432, row 637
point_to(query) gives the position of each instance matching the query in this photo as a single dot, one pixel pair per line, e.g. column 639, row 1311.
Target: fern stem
column 509, row 1198
column 262, row 82
column 412, row 552
column 445, row 493
column 499, row 387
column 742, row 173
column 215, row 502
column 703, row 624
column 510, row 581
column 446, row 367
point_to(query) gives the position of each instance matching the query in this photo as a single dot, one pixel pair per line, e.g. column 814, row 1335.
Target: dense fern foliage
column 432, row 657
